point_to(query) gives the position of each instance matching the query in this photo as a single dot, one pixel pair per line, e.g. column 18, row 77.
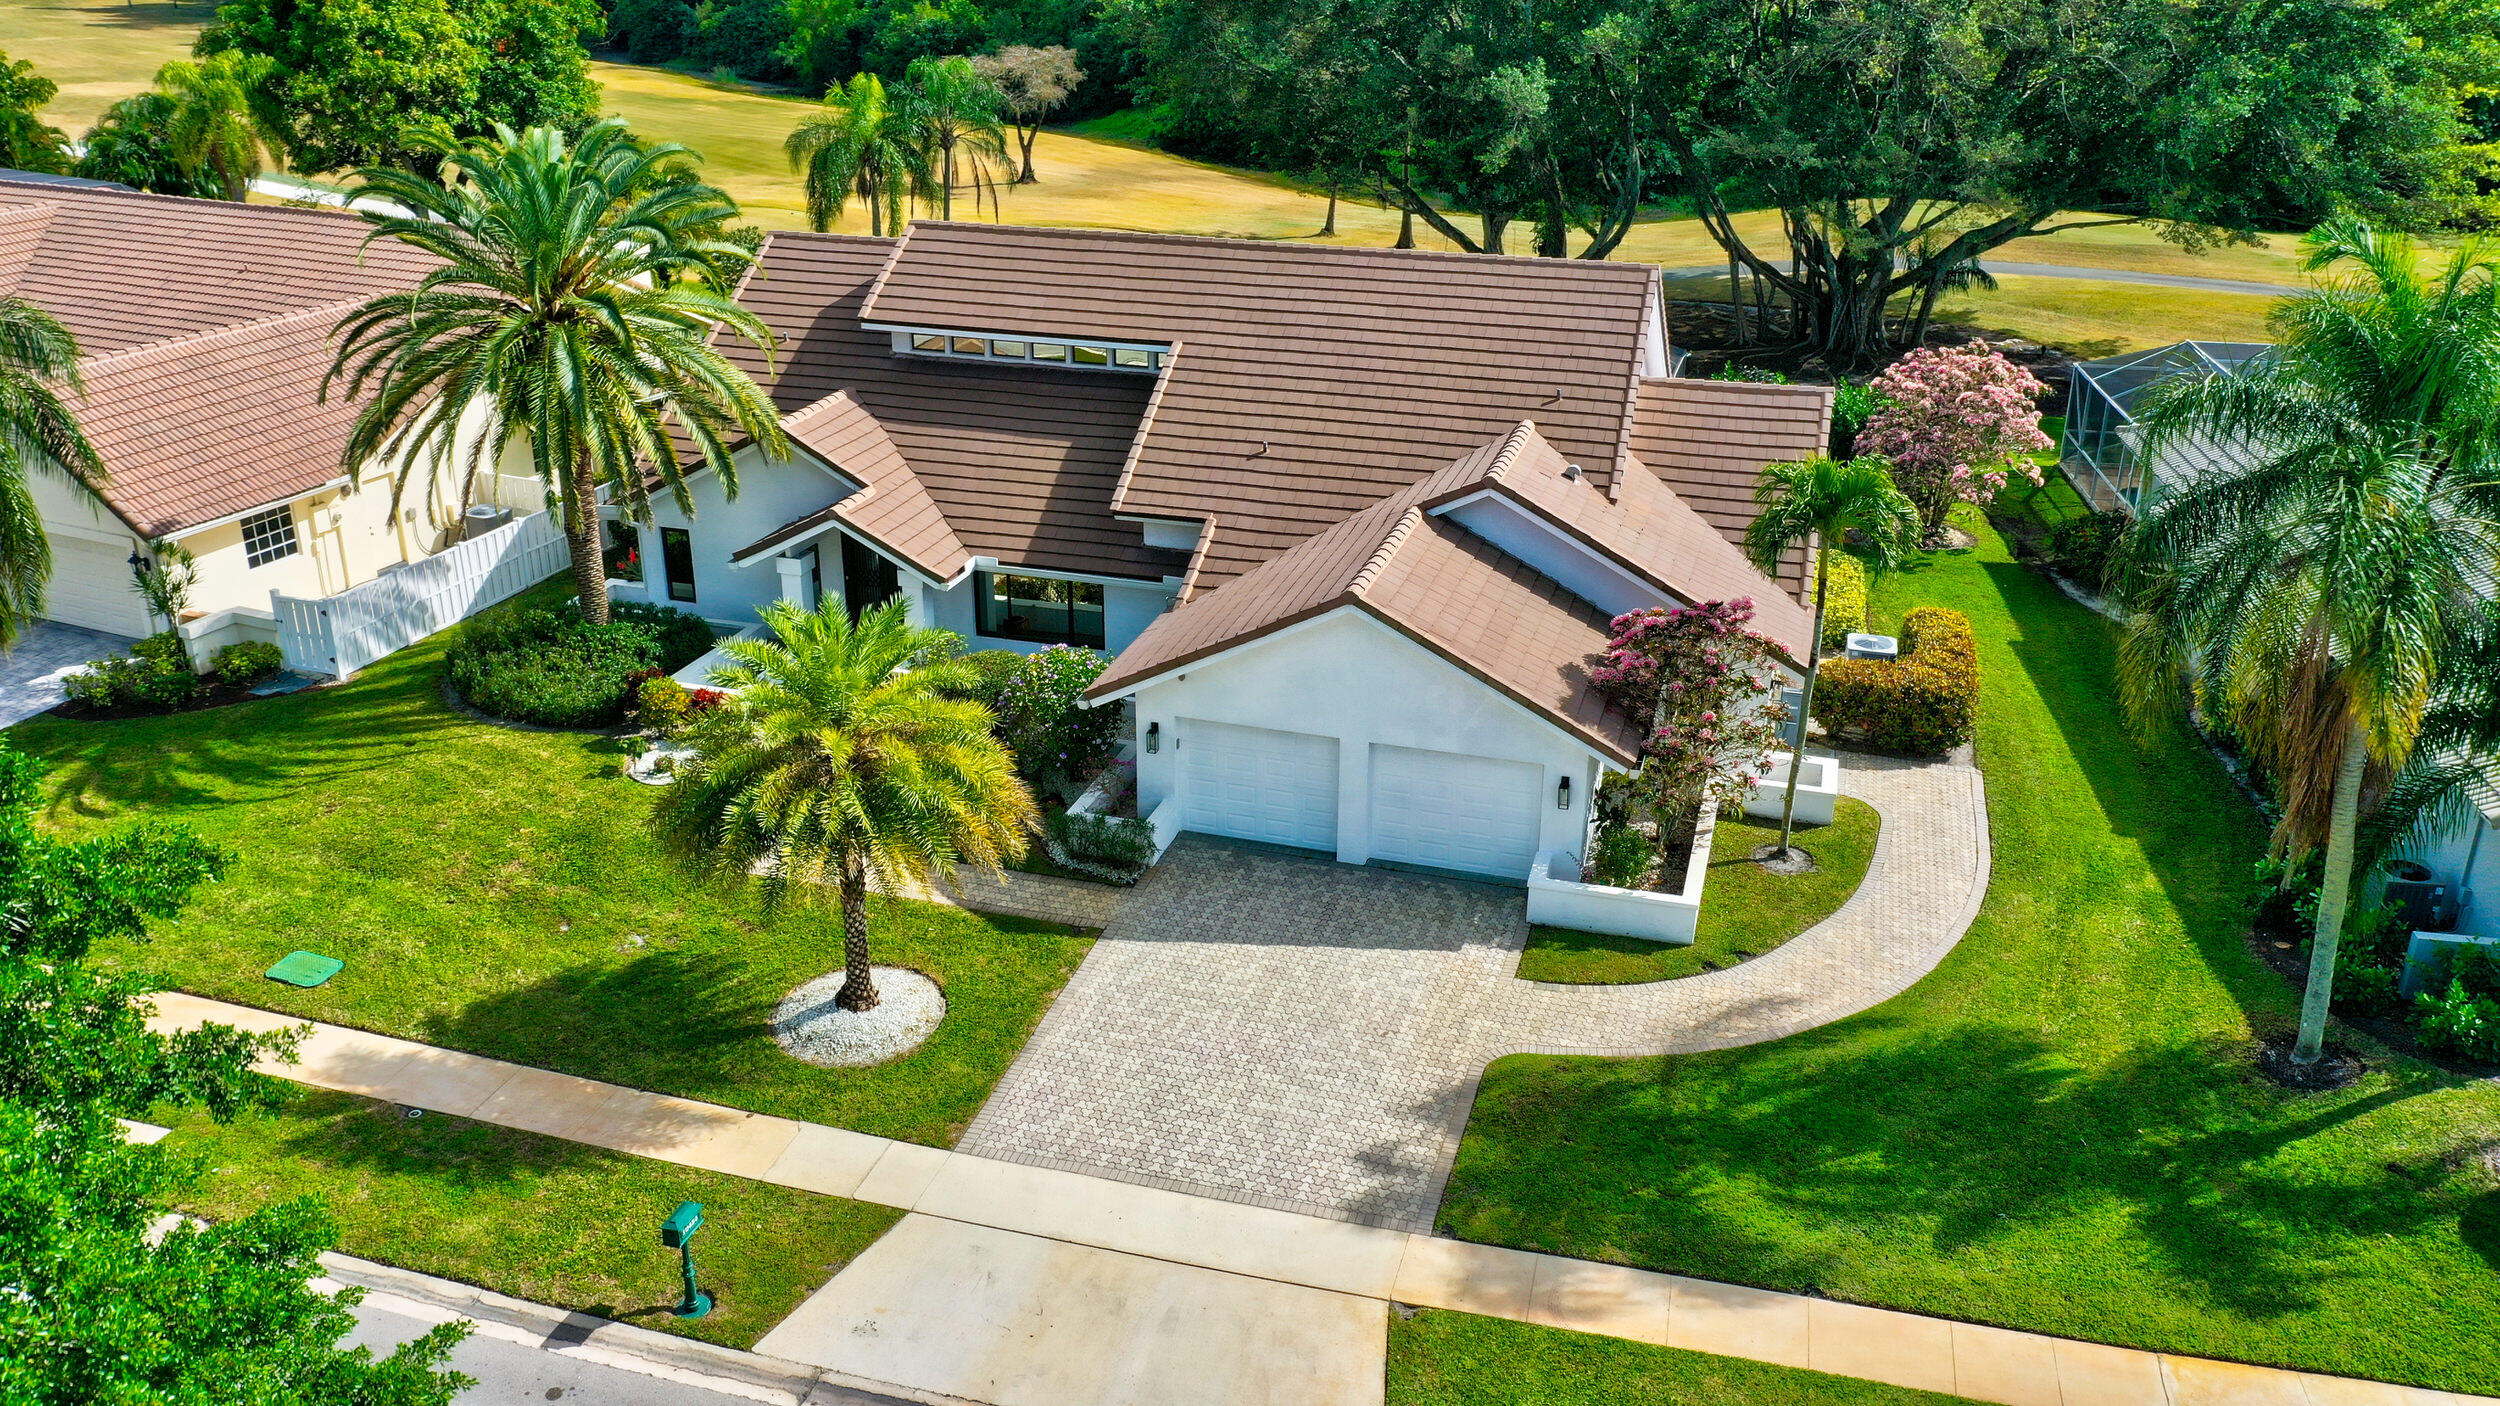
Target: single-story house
column 1352, row 521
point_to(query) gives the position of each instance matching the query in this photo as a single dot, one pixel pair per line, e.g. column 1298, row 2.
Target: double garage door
column 1436, row 810
column 91, row 587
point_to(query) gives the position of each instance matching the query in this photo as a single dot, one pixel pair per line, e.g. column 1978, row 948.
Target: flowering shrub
column 1702, row 679
column 1922, row 703
column 1844, row 612
column 1960, row 421
column 1059, row 744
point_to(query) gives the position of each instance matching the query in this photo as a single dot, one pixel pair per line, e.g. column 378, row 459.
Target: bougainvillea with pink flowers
column 1962, row 421
column 1704, row 682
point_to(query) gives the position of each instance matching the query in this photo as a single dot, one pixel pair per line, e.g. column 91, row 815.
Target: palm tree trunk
column 2334, row 896
column 946, row 209
column 1805, row 700
column 581, row 533
column 859, row 989
column 1736, row 296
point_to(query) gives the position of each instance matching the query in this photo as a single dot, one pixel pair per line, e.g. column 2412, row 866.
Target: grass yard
column 492, row 890
column 1439, row 1358
column 535, row 1217
column 1745, row 909
column 99, row 51
column 2061, row 1129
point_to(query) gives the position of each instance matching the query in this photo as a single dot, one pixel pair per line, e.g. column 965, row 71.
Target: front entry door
column 867, row 579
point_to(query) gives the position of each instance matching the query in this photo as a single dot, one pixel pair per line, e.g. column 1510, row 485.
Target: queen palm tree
column 2310, row 592
column 858, row 144
column 568, row 309
column 38, row 433
column 1851, row 506
column 219, row 126
column 953, row 114
column 840, row 764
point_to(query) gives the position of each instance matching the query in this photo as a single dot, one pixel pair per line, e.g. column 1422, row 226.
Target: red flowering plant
column 1958, row 423
column 1705, row 682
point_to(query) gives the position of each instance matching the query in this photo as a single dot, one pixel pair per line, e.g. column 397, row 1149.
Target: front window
column 268, row 536
column 677, row 562
column 1038, row 610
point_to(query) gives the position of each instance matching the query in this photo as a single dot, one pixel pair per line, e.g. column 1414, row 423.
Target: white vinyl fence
column 343, row 633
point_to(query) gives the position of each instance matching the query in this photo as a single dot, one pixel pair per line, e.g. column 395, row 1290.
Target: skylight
column 1085, row 352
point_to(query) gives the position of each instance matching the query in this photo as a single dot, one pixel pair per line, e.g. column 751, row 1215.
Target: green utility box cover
column 305, row 969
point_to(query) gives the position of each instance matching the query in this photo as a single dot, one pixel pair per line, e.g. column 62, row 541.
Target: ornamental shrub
column 1920, row 704
column 2084, row 548
column 1852, row 406
column 248, row 662
column 1698, row 678
column 662, row 704
column 984, row 674
column 1960, row 422
column 1619, row 858
column 553, row 668
column 1115, row 847
column 1059, row 744
column 165, row 650
column 169, row 689
column 2460, row 1022
column 1844, row 609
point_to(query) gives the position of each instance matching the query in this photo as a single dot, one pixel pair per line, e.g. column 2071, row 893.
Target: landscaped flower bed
column 1665, row 909
column 548, row 666
column 157, row 677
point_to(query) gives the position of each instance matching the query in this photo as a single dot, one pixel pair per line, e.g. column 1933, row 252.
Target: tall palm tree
column 219, row 125
column 38, row 433
column 859, row 144
column 1850, row 506
column 842, row 763
column 569, row 310
column 953, row 114
column 2310, row 592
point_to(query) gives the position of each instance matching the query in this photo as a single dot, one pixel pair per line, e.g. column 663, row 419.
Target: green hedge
column 1920, row 704
column 553, row 668
column 1844, row 601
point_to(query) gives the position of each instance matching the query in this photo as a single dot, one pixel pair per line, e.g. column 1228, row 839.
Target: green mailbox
column 677, row 1233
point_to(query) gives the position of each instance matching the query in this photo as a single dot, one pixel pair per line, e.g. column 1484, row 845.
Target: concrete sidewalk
column 956, row 1295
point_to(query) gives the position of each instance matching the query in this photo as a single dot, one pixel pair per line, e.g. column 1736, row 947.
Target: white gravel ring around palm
column 647, row 767
column 812, row 1028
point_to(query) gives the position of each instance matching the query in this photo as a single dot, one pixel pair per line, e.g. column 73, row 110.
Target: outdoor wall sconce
column 1562, row 794
column 1154, row 737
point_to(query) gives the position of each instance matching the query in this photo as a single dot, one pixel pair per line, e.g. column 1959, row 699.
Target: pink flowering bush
column 1702, row 679
column 1960, row 422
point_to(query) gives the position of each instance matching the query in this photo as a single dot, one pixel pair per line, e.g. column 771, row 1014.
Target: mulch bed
column 211, row 695
column 2289, row 959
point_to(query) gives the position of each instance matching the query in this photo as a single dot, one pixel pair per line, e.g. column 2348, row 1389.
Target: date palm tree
column 1850, row 506
column 38, row 434
column 953, row 115
column 219, row 126
column 842, row 763
column 859, row 144
column 2311, row 591
column 568, row 309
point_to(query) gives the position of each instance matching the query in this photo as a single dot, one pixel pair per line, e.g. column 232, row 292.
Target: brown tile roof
column 892, row 510
column 1021, row 461
column 1708, row 441
column 198, row 429
column 21, row 235
column 122, row 269
column 1314, row 380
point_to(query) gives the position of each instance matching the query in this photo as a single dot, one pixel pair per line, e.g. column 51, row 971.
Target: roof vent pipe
column 1571, row 472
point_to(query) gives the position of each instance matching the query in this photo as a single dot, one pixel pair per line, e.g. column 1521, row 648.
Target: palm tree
column 218, row 125
column 1850, row 506
column 2310, row 594
column 858, row 145
column 568, row 309
column 38, row 357
column 841, row 763
column 2456, row 756
column 953, row 112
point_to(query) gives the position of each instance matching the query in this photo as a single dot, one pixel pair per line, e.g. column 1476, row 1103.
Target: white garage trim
column 1256, row 783
column 1445, row 810
column 91, row 586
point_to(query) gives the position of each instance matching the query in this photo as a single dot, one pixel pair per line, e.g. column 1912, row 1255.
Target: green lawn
column 2060, row 1129
column 1745, row 909
column 1438, row 1358
column 492, row 890
column 536, row 1217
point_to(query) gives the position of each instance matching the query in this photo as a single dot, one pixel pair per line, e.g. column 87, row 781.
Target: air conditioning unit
column 2422, row 905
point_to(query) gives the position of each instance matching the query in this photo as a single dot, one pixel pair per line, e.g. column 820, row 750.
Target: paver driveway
column 31, row 672
column 1276, row 1028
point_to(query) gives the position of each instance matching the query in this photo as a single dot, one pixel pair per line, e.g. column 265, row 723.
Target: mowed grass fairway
column 2061, row 1129
column 492, row 890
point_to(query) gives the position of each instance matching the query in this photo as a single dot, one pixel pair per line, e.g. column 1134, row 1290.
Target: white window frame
column 272, row 547
column 1143, row 358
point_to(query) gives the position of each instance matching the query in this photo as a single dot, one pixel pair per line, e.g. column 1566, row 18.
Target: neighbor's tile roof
column 1708, row 441
column 1313, row 381
column 1021, row 462
column 892, row 510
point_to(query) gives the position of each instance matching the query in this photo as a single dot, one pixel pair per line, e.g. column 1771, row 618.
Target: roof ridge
column 893, row 257
column 1514, row 444
column 1145, row 426
column 819, row 403
column 217, row 203
column 1388, row 548
column 147, row 350
column 1354, row 251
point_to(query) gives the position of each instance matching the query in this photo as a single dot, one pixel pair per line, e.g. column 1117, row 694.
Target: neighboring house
column 1352, row 521
column 204, row 332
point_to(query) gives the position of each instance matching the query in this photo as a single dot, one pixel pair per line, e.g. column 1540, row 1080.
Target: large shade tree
column 859, row 145
column 2310, row 591
column 569, row 310
column 847, row 759
column 39, row 434
column 1031, row 82
column 27, row 142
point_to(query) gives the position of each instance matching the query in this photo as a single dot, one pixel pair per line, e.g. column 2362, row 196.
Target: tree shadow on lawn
column 1939, row 1143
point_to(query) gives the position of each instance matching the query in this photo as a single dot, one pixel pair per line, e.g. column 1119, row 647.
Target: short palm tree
column 952, row 114
column 2310, row 594
column 568, row 309
column 218, row 127
column 841, row 763
column 858, row 145
column 1850, row 506
column 38, row 433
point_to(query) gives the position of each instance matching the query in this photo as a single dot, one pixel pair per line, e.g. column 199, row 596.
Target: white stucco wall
column 769, row 494
column 1347, row 676
column 2475, row 870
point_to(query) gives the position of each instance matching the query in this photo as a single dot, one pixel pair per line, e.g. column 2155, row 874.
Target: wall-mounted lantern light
column 138, row 566
column 1562, row 794
column 1154, row 737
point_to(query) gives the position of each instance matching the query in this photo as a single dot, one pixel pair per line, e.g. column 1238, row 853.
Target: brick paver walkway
column 1274, row 1028
column 31, row 672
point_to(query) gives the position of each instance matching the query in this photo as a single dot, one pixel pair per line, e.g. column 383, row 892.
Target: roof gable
column 891, row 509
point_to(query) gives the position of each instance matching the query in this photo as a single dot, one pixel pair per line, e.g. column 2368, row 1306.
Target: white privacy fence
column 343, row 633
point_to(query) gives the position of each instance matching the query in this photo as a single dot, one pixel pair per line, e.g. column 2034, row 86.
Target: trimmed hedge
column 1844, row 603
column 1920, row 704
column 552, row 668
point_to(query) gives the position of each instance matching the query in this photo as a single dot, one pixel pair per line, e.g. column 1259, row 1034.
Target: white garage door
column 1446, row 811
column 91, row 586
column 1254, row 783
